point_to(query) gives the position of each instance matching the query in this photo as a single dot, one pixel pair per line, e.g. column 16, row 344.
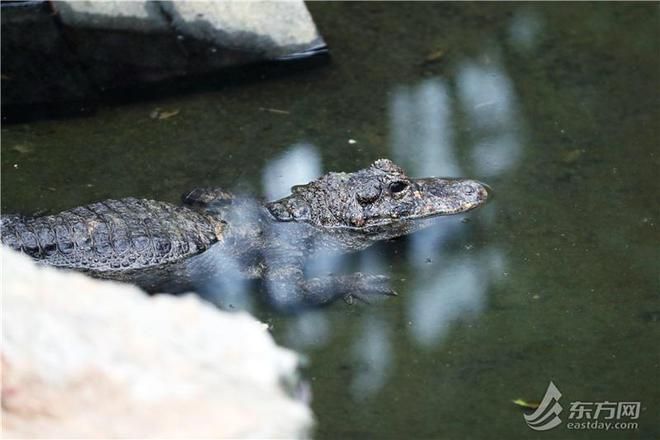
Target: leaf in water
column 572, row 156
column 435, row 56
column 167, row 115
column 160, row 114
column 23, row 148
column 274, row 110
column 525, row 404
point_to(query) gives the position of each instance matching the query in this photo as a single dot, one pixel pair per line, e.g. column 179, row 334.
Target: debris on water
column 525, row 404
column 166, row 115
column 161, row 114
column 23, row 148
column 435, row 56
column 485, row 104
column 648, row 221
column 15, row 165
column 274, row 110
column 572, row 156
column 352, row 141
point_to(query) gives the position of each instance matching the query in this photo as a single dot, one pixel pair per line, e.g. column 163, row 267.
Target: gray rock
column 271, row 28
column 133, row 16
column 107, row 45
column 88, row 358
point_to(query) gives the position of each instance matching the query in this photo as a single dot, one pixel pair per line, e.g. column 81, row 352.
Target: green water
column 558, row 279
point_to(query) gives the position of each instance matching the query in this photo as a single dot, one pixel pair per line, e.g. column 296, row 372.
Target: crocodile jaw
column 438, row 196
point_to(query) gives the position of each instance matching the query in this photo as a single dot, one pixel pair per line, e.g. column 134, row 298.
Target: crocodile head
column 379, row 201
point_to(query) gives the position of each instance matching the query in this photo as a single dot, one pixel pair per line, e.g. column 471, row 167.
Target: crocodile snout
column 452, row 196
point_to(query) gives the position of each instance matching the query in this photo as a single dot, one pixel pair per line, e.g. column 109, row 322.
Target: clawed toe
column 351, row 298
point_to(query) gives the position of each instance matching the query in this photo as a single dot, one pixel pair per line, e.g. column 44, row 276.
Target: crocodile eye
column 368, row 193
column 398, row 187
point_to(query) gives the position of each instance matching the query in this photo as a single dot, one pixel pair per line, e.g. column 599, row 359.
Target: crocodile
column 163, row 247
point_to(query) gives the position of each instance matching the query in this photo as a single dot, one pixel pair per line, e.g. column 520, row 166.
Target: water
column 556, row 107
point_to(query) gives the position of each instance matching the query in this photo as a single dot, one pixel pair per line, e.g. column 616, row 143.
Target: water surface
column 555, row 106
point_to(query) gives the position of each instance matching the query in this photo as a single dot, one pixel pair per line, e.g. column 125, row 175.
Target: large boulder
column 89, row 358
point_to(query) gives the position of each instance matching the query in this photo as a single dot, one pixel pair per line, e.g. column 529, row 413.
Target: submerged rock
column 89, row 358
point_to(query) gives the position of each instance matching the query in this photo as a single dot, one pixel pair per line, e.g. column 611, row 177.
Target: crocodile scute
column 113, row 235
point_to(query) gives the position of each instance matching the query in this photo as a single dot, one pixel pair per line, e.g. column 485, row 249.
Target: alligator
column 163, row 247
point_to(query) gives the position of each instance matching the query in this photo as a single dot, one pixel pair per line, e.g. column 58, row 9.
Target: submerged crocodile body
column 163, row 247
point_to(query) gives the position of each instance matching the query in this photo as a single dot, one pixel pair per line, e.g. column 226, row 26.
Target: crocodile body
column 164, row 247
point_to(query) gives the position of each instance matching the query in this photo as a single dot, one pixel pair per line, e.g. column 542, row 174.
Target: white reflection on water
column 487, row 98
column 524, row 29
column 371, row 260
column 308, row 330
column 227, row 286
column 496, row 154
column 421, row 129
column 457, row 291
column 230, row 289
column 450, row 286
column 372, row 356
column 300, row 164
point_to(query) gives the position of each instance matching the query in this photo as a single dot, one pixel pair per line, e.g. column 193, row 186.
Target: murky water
column 558, row 279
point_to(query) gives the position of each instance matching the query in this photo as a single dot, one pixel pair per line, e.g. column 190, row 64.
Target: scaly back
column 114, row 235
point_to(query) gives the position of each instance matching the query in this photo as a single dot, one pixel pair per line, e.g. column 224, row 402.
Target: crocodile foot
column 365, row 287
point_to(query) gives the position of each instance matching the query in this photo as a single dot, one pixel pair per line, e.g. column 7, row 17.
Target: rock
column 109, row 45
column 270, row 28
column 89, row 358
column 135, row 16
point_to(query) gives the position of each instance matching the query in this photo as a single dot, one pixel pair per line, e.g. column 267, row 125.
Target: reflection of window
column 421, row 130
column 422, row 139
column 488, row 101
column 298, row 165
column 423, row 124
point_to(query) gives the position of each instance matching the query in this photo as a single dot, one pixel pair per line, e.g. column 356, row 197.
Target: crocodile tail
column 7, row 233
column 111, row 236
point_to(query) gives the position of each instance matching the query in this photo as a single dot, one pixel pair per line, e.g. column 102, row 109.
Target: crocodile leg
column 288, row 288
column 206, row 199
column 352, row 286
